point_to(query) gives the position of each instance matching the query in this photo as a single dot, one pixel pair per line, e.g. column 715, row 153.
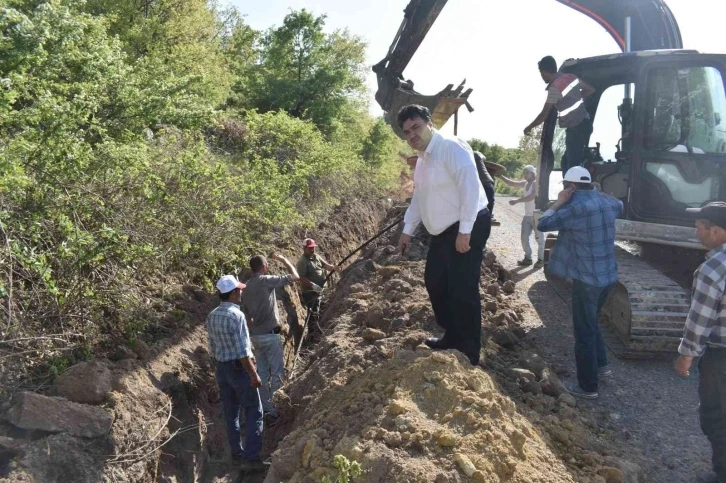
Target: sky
column 495, row 46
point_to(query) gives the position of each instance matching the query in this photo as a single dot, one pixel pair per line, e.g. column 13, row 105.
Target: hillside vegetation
column 149, row 144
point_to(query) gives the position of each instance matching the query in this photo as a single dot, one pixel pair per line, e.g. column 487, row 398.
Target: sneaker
column 539, row 264
column 708, row 477
column 605, row 371
column 525, row 262
column 577, row 391
column 496, row 222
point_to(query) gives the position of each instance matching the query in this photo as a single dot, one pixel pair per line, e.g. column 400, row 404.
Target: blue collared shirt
column 585, row 248
column 229, row 338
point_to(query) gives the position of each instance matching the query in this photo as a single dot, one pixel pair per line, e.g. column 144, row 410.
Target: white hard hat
column 577, row 174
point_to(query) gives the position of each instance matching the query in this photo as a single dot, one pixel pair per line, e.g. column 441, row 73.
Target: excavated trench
column 364, row 387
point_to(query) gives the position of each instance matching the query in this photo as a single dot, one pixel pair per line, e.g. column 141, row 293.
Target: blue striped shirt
column 229, row 338
column 585, row 248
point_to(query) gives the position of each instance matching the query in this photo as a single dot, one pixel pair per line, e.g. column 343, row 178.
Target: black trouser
column 712, row 392
column 452, row 281
column 489, row 190
column 576, row 139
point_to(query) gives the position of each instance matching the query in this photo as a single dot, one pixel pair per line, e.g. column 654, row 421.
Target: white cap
column 577, row 174
column 530, row 168
column 228, row 283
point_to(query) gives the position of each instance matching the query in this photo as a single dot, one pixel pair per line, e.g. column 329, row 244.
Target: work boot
column 438, row 343
column 708, row 477
column 525, row 262
column 539, row 264
column 496, row 222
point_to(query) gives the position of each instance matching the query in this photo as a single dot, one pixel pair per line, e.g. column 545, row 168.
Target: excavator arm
column 394, row 91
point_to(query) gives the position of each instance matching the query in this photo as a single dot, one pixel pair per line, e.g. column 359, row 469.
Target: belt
column 455, row 227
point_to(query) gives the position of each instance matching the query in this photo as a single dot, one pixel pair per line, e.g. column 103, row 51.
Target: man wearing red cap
column 311, row 267
column 231, row 349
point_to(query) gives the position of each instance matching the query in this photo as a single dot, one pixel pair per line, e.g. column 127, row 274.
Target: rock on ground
column 373, row 334
column 58, row 415
column 631, row 472
column 58, row 459
column 87, row 383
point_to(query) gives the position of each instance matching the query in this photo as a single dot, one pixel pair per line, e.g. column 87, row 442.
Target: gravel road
column 652, row 412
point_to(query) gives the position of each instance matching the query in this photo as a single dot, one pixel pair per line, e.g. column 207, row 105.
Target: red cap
column 309, row 243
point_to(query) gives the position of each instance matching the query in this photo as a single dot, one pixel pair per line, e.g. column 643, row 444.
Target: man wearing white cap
column 585, row 253
column 231, row 349
column 311, row 267
column 529, row 185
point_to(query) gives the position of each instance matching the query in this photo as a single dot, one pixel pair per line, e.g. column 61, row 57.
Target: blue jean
column 590, row 355
column 270, row 366
column 238, row 395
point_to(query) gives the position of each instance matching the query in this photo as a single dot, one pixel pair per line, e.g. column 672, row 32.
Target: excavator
column 669, row 153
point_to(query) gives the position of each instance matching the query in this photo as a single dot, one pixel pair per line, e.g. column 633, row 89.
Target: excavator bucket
column 393, row 91
column 442, row 105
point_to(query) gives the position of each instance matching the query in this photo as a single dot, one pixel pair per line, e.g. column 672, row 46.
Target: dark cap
column 715, row 212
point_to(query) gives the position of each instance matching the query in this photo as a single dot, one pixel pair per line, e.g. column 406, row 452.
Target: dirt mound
column 373, row 393
column 419, row 417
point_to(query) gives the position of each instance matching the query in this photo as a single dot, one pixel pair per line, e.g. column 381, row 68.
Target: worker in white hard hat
column 529, row 185
column 584, row 218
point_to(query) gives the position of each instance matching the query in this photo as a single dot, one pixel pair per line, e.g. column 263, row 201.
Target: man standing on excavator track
column 566, row 92
column 705, row 334
column 450, row 201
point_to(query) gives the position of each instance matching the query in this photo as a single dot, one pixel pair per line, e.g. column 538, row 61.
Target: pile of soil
column 371, row 391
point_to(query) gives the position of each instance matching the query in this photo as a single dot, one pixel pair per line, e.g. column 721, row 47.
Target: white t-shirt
column 529, row 205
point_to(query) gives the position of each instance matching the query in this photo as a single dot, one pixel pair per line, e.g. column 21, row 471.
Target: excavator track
column 645, row 313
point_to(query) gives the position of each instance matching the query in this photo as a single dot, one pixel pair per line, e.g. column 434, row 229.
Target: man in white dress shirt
column 450, row 201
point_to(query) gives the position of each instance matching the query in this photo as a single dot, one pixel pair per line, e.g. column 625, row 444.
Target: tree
column 307, row 73
column 378, row 144
column 241, row 47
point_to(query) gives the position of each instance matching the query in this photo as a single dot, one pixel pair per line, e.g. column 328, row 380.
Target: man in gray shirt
column 260, row 303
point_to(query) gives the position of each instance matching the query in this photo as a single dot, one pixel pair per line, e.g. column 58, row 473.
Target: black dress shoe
column 474, row 360
column 438, row 344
